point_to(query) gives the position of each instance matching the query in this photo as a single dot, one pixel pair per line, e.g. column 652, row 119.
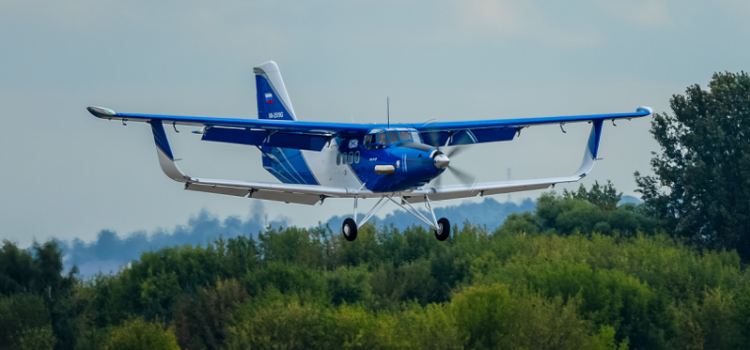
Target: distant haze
column 111, row 250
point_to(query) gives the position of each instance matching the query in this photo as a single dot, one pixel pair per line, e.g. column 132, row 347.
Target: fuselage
column 383, row 160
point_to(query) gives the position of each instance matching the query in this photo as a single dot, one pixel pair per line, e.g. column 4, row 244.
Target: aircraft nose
column 441, row 161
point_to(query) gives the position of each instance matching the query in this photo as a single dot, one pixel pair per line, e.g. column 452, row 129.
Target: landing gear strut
column 442, row 227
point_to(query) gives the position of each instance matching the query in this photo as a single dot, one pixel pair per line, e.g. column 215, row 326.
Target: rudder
column 273, row 100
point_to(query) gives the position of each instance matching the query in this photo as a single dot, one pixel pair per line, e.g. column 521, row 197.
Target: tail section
column 273, row 100
column 287, row 165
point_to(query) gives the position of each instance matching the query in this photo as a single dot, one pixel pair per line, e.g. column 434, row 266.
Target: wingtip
column 644, row 109
column 101, row 112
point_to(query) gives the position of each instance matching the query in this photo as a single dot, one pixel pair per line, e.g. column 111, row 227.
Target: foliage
column 604, row 197
column 25, row 323
column 201, row 319
column 275, row 324
column 701, row 183
column 38, row 271
column 589, row 211
column 577, row 274
column 41, row 338
column 138, row 334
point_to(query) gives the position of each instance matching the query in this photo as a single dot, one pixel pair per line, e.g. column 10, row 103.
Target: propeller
column 462, row 176
column 433, row 137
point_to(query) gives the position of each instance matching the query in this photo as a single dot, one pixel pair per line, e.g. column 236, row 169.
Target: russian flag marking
column 269, row 97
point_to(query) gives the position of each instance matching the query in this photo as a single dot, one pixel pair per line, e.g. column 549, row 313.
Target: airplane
column 319, row 160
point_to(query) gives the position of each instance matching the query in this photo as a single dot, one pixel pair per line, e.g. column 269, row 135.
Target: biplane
column 314, row 161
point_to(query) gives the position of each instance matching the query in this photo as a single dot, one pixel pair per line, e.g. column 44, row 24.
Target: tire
column 444, row 231
column 349, row 229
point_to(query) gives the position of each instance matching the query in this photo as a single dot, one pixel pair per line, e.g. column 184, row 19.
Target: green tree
column 25, row 323
column 38, row 271
column 141, row 335
column 36, row 339
column 201, row 319
column 349, row 285
column 276, row 323
column 605, row 197
column 701, row 183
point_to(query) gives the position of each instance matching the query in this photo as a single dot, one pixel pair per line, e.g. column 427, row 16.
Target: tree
column 138, row 334
column 25, row 323
column 605, row 197
column 38, row 271
column 701, row 183
column 201, row 319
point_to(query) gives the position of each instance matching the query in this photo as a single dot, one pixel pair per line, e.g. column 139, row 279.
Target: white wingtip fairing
column 644, row 109
column 101, row 112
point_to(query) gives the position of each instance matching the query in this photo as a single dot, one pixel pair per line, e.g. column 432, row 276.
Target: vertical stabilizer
column 273, row 100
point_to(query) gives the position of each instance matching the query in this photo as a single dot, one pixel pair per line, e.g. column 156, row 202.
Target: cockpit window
column 381, row 138
column 416, row 137
column 404, row 136
column 393, row 136
column 376, row 140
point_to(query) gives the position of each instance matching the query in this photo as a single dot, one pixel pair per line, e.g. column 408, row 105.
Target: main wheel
column 349, row 229
column 444, row 229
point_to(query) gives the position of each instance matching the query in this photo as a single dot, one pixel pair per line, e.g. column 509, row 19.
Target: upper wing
column 479, row 131
column 314, row 135
column 490, row 188
column 265, row 124
column 276, row 133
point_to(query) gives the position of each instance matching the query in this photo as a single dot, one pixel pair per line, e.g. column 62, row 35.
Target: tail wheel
column 349, row 229
column 443, row 230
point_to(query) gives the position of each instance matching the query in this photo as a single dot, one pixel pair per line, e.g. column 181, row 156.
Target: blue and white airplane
column 318, row 160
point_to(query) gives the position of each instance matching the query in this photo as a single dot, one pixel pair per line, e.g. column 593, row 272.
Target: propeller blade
column 439, row 180
column 462, row 176
column 456, row 150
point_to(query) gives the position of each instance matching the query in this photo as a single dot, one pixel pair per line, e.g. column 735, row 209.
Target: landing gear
column 349, row 229
column 442, row 227
column 443, row 230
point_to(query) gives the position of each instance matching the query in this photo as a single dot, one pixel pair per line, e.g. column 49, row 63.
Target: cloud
column 514, row 19
column 648, row 13
column 499, row 15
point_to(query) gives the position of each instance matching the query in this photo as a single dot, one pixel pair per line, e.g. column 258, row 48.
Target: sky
column 66, row 174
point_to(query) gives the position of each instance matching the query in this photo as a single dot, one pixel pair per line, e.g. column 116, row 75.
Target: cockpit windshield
column 378, row 138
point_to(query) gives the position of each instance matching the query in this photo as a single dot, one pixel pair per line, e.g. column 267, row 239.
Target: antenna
column 388, row 107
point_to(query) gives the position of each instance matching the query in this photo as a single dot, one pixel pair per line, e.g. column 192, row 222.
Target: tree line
column 543, row 280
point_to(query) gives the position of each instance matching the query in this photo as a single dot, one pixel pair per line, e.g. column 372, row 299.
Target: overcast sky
column 67, row 174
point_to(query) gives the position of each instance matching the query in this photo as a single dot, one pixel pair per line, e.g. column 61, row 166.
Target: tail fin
column 273, row 101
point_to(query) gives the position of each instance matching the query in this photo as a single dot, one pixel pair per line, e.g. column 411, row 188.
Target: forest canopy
column 543, row 280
